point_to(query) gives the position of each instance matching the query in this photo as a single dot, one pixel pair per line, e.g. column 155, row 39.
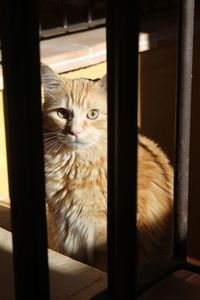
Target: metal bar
column 22, row 102
column 89, row 13
column 151, row 5
column 65, row 21
column 170, row 3
column 183, row 107
column 122, row 58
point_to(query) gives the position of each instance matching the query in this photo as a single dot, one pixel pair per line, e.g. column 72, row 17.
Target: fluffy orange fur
column 154, row 203
column 75, row 138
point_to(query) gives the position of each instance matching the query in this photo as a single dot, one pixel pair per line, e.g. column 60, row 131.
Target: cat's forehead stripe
column 81, row 92
column 77, row 92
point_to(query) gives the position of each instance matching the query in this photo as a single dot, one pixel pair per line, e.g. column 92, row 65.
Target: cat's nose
column 75, row 132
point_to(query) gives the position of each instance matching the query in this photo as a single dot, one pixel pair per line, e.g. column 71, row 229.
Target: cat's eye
column 63, row 113
column 92, row 114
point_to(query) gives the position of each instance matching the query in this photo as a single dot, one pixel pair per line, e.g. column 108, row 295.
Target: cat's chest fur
column 77, row 201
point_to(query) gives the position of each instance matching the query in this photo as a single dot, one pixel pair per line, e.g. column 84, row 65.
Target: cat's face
column 75, row 111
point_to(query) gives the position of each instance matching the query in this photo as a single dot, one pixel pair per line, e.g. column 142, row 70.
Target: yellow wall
column 92, row 72
column 3, row 163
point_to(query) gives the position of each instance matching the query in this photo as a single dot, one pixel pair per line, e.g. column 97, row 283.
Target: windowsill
column 87, row 48
column 75, row 51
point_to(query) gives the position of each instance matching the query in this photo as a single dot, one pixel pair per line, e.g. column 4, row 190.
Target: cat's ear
column 50, row 79
column 102, row 83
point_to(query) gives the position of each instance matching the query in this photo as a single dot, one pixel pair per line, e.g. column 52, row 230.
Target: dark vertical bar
column 183, row 106
column 151, row 5
column 22, row 101
column 40, row 29
column 122, row 58
column 170, row 3
column 65, row 21
column 89, row 13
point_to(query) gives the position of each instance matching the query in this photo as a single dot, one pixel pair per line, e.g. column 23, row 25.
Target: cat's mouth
column 73, row 141
column 76, row 142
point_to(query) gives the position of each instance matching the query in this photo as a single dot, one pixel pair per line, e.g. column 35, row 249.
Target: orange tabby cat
column 75, row 137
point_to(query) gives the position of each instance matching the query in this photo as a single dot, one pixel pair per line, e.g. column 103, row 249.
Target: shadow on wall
column 158, row 78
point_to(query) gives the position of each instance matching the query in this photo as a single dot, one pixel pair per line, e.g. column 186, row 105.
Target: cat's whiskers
column 59, row 148
column 50, row 132
column 51, row 145
column 50, row 138
column 53, row 134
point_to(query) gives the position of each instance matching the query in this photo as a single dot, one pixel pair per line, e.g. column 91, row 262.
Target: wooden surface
column 69, row 279
column 181, row 285
column 72, row 280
